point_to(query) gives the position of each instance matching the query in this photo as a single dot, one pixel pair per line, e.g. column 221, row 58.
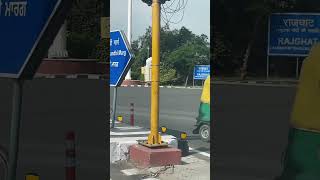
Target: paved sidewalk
column 193, row 167
column 272, row 83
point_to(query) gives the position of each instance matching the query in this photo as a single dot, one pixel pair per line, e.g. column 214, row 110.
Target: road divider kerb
column 169, row 87
column 71, row 76
column 129, row 128
column 123, row 136
column 128, row 133
column 199, row 152
column 254, row 83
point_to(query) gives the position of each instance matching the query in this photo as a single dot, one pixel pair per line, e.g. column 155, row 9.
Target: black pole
column 105, row 19
column 15, row 128
column 114, row 105
column 106, row 9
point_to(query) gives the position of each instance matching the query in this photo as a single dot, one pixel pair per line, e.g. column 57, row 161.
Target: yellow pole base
column 154, row 138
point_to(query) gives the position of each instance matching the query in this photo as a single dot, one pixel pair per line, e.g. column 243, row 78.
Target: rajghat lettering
column 298, row 41
column 13, row 8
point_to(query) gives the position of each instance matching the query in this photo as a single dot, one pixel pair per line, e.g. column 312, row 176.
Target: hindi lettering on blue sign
column 120, row 57
column 201, row 72
column 23, row 25
column 293, row 34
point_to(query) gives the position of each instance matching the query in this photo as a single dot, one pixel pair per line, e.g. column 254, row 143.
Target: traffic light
column 149, row 2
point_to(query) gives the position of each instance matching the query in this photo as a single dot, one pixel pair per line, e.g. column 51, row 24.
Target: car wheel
column 205, row 132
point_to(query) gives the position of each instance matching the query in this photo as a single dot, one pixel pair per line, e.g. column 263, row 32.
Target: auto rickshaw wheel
column 205, row 132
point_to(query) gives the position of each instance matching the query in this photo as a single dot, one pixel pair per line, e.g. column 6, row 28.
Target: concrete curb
column 269, row 83
column 70, row 76
column 172, row 87
column 259, row 83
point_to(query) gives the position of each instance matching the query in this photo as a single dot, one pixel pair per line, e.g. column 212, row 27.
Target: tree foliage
column 180, row 50
column 84, row 30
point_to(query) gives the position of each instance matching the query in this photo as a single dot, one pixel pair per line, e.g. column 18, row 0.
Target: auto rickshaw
column 302, row 156
column 203, row 119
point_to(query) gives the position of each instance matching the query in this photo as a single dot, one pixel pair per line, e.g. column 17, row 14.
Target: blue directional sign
column 120, row 57
column 293, row 34
column 28, row 28
column 201, row 72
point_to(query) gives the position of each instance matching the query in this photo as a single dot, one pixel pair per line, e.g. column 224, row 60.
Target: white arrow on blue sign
column 27, row 29
column 120, row 57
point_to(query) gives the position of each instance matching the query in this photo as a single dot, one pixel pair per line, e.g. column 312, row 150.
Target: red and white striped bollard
column 131, row 114
column 70, row 163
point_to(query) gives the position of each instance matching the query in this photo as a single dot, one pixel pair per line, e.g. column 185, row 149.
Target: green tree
column 242, row 23
column 180, row 50
column 84, row 30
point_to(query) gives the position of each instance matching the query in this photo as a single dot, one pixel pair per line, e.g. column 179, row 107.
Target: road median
column 123, row 136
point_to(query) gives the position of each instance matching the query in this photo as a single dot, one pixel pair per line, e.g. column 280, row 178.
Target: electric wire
column 168, row 11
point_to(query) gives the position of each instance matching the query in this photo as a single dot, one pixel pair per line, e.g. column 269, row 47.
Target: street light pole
column 154, row 138
column 128, row 76
column 129, row 20
column 104, row 24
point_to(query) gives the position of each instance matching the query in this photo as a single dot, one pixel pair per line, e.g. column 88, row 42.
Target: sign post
column 28, row 28
column 120, row 62
column 297, row 68
column 292, row 35
column 15, row 127
column 201, row 72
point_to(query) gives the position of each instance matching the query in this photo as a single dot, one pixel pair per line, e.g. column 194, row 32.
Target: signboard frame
column 284, row 54
column 44, row 40
column 28, row 65
column 129, row 63
column 269, row 35
column 194, row 71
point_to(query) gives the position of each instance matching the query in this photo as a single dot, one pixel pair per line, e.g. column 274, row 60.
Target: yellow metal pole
column 154, row 137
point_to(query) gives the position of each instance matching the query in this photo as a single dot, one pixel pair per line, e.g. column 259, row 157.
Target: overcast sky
column 196, row 17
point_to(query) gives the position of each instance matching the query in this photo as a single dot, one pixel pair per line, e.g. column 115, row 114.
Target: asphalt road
column 251, row 126
column 178, row 109
column 51, row 107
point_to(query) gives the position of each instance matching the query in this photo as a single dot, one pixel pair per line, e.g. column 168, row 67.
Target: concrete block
column 149, row 157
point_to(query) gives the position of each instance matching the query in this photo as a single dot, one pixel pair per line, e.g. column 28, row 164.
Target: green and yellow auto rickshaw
column 302, row 157
column 203, row 119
